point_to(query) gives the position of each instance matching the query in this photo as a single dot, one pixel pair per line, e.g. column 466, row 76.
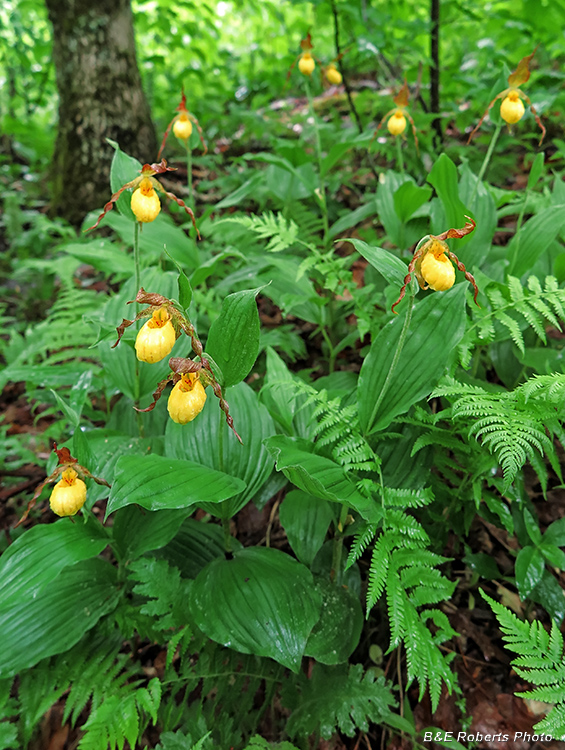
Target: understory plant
column 372, row 380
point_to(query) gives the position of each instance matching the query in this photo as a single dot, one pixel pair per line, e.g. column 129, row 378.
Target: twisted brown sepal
column 184, row 366
column 158, row 392
column 110, row 205
column 188, row 210
column 469, row 276
column 224, row 406
column 65, row 461
column 456, row 233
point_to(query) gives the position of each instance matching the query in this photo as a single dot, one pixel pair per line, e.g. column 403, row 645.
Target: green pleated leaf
column 194, row 546
column 38, row 556
column 306, row 520
column 158, row 483
column 233, row 341
column 57, row 617
column 137, row 530
column 124, row 169
column 201, row 441
column 387, row 264
column 319, row 476
column 409, row 198
column 102, row 255
column 536, row 170
column 336, row 634
column 477, row 196
column 533, row 239
column 438, row 323
column 106, row 447
column 260, row 602
column 444, row 178
column 389, row 183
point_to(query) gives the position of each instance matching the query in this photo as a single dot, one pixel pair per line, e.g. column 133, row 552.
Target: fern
column 514, row 308
column 117, row 719
column 540, row 660
column 166, row 592
column 550, row 388
column 45, row 346
column 233, row 692
column 344, row 698
column 8, row 710
column 280, row 232
column 403, row 567
column 338, row 427
column 93, row 672
column 310, row 222
column 513, row 425
column 181, row 741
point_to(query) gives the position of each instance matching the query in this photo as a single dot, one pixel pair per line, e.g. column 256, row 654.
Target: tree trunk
column 100, row 96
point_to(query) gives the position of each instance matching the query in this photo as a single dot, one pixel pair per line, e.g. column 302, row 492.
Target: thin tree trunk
column 434, row 69
column 100, row 96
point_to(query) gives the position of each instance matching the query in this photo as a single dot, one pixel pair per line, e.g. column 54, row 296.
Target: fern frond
column 540, row 661
column 515, row 307
column 343, row 698
column 338, row 426
column 513, row 425
column 360, row 543
column 281, row 233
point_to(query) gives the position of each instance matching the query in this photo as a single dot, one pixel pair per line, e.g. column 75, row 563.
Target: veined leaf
column 157, row 483
column 260, row 602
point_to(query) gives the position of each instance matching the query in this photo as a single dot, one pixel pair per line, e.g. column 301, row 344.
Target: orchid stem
column 399, row 158
column 189, row 172
column 137, row 266
column 321, row 184
column 486, row 161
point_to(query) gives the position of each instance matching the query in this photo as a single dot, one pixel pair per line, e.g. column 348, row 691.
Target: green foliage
column 513, row 308
column 179, row 602
column 281, row 233
column 345, row 698
column 540, row 661
column 511, row 424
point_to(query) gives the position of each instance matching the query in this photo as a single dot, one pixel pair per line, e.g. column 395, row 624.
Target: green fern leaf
column 339, row 698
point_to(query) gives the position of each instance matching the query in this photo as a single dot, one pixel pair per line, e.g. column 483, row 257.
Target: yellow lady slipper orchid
column 69, row 494
column 306, row 64
column 187, row 399
column 512, row 108
column 436, row 269
column 333, row 75
column 182, row 127
column 145, row 202
column 156, row 338
column 431, row 262
column 396, row 123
